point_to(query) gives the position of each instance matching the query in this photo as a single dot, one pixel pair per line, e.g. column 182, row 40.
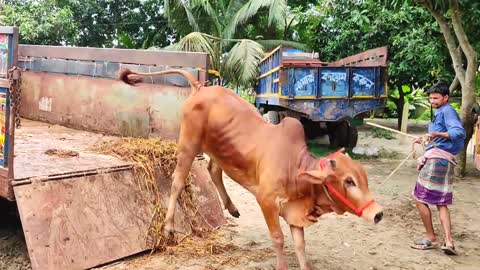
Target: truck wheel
column 352, row 136
column 338, row 134
column 272, row 117
column 310, row 128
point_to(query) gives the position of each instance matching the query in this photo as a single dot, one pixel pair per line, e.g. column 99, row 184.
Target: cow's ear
column 318, row 176
column 331, row 165
column 314, row 176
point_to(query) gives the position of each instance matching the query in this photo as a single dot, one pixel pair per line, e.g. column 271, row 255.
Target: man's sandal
column 424, row 244
column 449, row 250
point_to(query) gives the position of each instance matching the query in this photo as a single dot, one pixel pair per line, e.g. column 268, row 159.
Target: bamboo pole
column 391, row 129
column 404, row 124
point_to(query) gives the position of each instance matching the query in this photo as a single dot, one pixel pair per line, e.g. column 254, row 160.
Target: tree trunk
column 468, row 123
column 454, row 86
column 468, row 85
column 466, row 77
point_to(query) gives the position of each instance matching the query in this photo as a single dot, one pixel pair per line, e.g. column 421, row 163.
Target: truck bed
column 34, row 139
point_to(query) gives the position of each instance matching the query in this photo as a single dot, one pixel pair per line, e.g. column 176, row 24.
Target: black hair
column 440, row 87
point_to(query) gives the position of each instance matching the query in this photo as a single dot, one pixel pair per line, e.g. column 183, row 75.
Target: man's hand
column 433, row 135
column 418, row 140
column 430, row 136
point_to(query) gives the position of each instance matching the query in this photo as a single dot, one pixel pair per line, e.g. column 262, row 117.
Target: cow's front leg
column 299, row 240
column 184, row 162
column 271, row 213
column 216, row 175
column 188, row 147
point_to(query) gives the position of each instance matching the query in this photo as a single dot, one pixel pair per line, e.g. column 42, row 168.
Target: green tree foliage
column 89, row 23
column 123, row 23
column 226, row 29
column 40, row 22
column 455, row 19
column 416, row 55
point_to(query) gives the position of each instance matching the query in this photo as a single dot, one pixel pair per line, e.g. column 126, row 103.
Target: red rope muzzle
column 358, row 210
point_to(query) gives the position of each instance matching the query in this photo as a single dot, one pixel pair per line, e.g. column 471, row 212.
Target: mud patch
column 62, row 153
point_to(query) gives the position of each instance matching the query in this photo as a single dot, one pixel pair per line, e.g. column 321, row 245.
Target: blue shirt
column 446, row 120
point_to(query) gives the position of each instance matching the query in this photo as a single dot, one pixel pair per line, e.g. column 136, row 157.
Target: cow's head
column 344, row 182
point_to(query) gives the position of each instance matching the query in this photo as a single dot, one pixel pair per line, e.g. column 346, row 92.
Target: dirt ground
column 335, row 242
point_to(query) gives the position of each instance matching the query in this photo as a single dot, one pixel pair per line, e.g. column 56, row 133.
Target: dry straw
column 154, row 160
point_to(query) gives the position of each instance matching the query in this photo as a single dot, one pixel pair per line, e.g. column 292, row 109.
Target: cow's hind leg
column 216, row 175
column 188, row 147
column 271, row 213
column 299, row 240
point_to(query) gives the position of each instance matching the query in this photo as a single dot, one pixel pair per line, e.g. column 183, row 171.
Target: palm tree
column 213, row 27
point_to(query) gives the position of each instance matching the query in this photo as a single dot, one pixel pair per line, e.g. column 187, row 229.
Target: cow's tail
column 132, row 78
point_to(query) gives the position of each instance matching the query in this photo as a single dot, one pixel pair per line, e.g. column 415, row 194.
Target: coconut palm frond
column 126, row 41
column 192, row 20
column 234, row 6
column 278, row 12
column 198, row 42
column 175, row 9
column 206, row 6
column 277, row 8
column 242, row 14
column 242, row 62
column 210, row 13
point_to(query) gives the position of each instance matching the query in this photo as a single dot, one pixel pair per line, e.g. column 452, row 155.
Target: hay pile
column 205, row 245
column 154, row 158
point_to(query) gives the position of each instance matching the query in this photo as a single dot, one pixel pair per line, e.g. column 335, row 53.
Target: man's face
column 437, row 100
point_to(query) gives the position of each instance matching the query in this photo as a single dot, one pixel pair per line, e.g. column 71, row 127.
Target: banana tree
column 416, row 99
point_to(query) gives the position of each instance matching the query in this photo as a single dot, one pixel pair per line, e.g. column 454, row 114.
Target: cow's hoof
column 168, row 235
column 235, row 213
column 307, row 266
column 168, row 232
column 169, row 238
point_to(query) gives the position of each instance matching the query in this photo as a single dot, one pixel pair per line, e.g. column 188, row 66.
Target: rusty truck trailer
column 85, row 209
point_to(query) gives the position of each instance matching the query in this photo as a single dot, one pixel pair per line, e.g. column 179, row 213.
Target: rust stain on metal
column 145, row 57
column 103, row 105
column 83, row 211
column 371, row 58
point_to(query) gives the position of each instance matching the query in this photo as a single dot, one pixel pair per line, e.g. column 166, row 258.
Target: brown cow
column 271, row 161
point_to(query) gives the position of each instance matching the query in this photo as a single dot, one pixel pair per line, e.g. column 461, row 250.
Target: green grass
column 382, row 133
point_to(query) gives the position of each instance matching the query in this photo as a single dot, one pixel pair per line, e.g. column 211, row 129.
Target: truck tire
column 338, row 134
column 272, row 117
column 310, row 128
column 352, row 136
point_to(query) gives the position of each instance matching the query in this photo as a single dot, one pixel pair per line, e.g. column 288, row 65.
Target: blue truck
column 328, row 98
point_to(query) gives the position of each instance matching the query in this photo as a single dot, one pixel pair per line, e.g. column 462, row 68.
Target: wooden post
column 404, row 124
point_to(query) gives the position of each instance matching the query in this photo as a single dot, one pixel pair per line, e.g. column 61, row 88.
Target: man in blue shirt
column 445, row 139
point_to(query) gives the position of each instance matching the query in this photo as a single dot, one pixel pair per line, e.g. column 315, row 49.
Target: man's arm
column 432, row 135
column 455, row 130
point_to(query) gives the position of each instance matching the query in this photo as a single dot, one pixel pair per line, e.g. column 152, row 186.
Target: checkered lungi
column 435, row 182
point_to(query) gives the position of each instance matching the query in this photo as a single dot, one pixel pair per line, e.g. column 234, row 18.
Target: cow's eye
column 349, row 182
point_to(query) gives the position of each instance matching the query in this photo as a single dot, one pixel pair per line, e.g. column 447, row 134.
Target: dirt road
column 335, row 242
column 345, row 242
